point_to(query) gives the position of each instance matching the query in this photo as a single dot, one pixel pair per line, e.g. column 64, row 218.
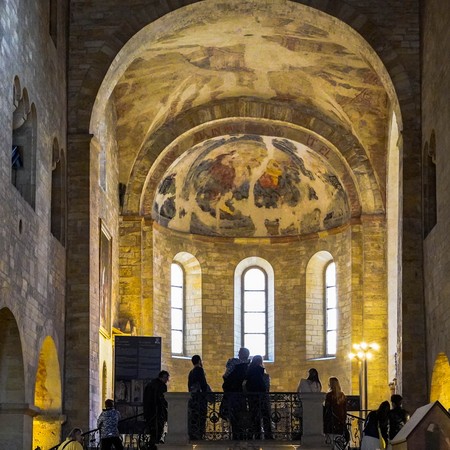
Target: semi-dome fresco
column 250, row 186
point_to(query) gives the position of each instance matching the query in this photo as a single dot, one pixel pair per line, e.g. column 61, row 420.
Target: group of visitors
column 382, row 425
column 240, row 374
column 249, row 376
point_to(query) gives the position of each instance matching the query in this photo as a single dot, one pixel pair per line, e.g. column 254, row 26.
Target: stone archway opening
column 12, row 384
column 197, row 75
column 47, row 397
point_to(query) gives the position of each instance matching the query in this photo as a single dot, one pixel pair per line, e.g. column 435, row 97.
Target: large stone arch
column 12, row 384
column 47, row 397
column 397, row 78
column 232, row 107
column 107, row 64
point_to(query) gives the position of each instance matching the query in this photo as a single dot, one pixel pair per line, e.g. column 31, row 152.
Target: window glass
column 254, row 311
column 254, row 301
column 256, row 343
column 177, row 308
column 331, row 309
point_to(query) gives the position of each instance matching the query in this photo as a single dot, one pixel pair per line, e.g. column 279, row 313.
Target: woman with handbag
column 376, row 428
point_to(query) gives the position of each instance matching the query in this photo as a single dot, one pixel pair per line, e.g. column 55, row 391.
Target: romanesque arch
column 12, row 383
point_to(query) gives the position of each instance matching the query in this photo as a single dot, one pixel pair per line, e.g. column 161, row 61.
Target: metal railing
column 239, row 416
column 244, row 416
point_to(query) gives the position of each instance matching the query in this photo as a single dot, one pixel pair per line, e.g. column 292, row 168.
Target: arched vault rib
column 237, row 116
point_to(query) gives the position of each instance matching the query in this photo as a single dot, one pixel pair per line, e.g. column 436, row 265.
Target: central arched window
column 177, row 308
column 254, row 307
column 254, row 311
column 330, row 309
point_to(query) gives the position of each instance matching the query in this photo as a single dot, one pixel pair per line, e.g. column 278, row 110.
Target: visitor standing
column 257, row 386
column 73, row 441
column 198, row 403
column 108, row 423
column 376, row 426
column 397, row 416
column 335, row 411
column 155, row 407
column 236, row 405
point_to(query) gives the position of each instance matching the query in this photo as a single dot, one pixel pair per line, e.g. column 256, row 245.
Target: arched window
column 23, row 151
column 177, row 308
column 254, row 307
column 321, row 306
column 254, row 311
column 330, row 310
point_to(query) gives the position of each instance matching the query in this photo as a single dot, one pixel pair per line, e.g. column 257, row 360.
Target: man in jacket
column 108, row 422
column 155, row 407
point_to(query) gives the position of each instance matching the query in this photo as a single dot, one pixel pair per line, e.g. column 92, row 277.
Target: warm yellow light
column 364, row 346
column 375, row 346
column 351, row 355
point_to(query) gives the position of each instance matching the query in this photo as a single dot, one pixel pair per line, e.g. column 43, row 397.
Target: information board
column 137, row 361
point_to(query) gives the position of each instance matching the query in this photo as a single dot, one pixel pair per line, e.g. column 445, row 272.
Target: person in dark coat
column 155, row 407
column 397, row 416
column 198, row 403
column 376, row 428
column 335, row 410
column 234, row 399
column 257, row 386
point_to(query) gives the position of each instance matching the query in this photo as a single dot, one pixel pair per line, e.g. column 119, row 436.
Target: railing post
column 312, row 403
column 177, row 426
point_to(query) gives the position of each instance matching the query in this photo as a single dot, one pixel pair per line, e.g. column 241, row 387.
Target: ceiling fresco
column 277, row 61
column 250, row 186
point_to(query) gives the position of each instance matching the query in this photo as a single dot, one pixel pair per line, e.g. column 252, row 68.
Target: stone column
column 77, row 395
column 130, row 267
column 375, row 308
column 177, row 427
column 313, row 419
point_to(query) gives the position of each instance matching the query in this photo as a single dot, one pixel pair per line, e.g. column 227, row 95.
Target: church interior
column 219, row 174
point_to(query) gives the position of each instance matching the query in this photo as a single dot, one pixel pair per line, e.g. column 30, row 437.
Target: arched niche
column 12, row 384
column 47, row 397
column 439, row 382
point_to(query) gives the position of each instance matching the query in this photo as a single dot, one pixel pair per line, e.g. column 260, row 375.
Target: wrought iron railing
column 243, row 416
column 222, row 416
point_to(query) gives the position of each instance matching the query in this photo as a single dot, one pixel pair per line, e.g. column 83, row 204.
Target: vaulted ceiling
column 268, row 69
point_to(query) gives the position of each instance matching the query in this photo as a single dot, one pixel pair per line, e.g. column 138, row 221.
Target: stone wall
column 32, row 267
column 435, row 116
column 289, row 258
